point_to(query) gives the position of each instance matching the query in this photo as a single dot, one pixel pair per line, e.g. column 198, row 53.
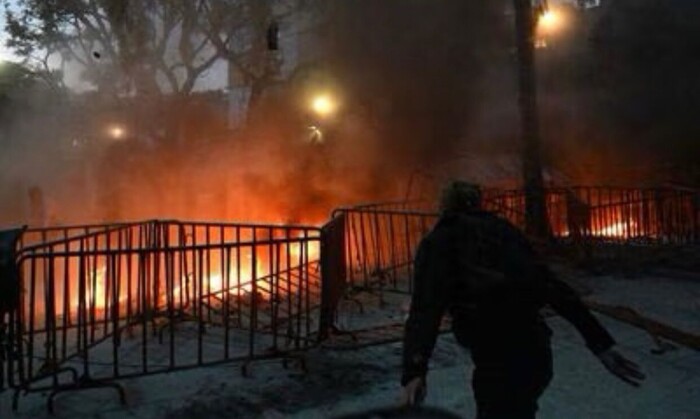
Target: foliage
column 147, row 46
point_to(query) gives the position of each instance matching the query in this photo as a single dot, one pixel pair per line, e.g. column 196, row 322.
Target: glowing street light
column 322, row 108
column 550, row 21
column 116, row 132
column 323, row 105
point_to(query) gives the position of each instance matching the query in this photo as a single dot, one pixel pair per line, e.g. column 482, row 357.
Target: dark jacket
column 482, row 270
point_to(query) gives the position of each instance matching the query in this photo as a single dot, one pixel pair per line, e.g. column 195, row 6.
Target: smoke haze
column 427, row 92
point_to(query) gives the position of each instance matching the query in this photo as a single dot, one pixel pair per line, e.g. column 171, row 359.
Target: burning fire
column 619, row 229
column 216, row 285
column 614, row 230
column 98, row 292
column 240, row 279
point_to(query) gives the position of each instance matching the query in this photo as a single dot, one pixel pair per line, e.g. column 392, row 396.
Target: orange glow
column 551, row 21
column 264, row 177
column 289, row 262
column 96, row 290
column 98, row 293
column 615, row 230
column 240, row 280
column 323, row 105
column 620, row 229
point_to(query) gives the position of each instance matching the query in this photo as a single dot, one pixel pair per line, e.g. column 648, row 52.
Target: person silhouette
column 482, row 270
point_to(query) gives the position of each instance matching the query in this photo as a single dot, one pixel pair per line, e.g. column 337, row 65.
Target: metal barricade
column 660, row 216
column 380, row 240
column 375, row 266
column 100, row 303
column 380, row 246
column 159, row 296
column 39, row 235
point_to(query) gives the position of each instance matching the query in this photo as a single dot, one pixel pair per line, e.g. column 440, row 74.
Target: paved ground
column 342, row 382
column 581, row 387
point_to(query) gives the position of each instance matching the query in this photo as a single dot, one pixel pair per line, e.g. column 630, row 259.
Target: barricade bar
column 127, row 300
column 100, row 303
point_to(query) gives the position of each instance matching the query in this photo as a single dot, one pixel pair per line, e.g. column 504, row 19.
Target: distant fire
column 618, row 229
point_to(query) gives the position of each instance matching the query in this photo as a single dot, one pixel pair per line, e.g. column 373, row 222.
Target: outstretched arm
column 567, row 303
column 522, row 261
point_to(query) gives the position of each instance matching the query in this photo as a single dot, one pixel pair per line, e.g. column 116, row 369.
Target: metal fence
column 101, row 303
column 33, row 236
column 135, row 299
column 375, row 265
column 380, row 240
column 380, row 245
column 662, row 216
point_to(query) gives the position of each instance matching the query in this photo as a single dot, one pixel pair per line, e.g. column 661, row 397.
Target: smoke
column 441, row 78
column 427, row 91
column 268, row 171
column 416, row 67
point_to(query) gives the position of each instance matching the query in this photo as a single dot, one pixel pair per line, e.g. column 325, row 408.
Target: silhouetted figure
column 37, row 207
column 578, row 216
column 482, row 270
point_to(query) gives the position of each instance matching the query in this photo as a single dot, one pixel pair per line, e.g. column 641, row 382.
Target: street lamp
column 323, row 105
column 116, row 132
column 550, row 20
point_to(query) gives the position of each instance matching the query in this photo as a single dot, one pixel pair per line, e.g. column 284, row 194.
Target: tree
column 156, row 51
column 23, row 90
column 123, row 46
column 536, row 222
column 13, row 78
column 240, row 30
column 150, row 46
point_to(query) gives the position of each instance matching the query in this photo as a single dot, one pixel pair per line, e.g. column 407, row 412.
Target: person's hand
column 621, row 367
column 413, row 392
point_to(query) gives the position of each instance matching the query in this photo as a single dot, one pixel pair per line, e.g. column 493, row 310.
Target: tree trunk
column 535, row 205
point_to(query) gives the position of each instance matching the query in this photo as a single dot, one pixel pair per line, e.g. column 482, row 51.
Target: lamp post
column 536, row 220
column 323, row 106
